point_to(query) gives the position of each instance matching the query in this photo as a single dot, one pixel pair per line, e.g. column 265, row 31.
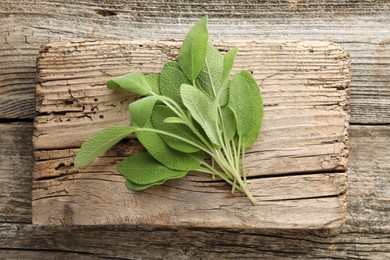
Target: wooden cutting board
column 297, row 168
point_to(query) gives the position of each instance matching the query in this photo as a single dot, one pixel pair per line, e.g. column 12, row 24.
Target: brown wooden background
column 362, row 27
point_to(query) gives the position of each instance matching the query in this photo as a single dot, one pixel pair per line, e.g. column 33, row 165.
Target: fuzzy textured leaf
column 137, row 187
column 257, row 103
column 202, row 109
column 241, row 103
column 169, row 157
column 228, row 61
column 100, row 142
column 229, row 122
column 193, row 51
column 133, row 82
column 141, row 110
column 160, row 113
column 143, row 169
column 223, row 94
column 171, row 79
column 153, row 81
column 211, row 74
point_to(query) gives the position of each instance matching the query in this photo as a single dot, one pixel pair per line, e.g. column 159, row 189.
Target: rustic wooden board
column 296, row 168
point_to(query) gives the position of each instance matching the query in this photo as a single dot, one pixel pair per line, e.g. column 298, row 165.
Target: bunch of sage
column 192, row 109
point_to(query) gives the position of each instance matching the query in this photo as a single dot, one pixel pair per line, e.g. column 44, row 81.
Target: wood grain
column 357, row 25
column 305, row 87
column 44, row 255
column 15, row 172
column 364, row 235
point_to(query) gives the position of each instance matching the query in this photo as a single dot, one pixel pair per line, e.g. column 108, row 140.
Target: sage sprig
column 192, row 109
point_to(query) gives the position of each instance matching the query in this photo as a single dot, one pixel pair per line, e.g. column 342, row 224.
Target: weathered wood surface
column 360, row 26
column 305, row 87
column 15, row 172
column 365, row 234
column 44, row 255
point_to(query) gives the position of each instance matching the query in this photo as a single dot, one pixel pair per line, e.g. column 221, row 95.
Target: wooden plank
column 305, row 89
column 44, row 255
column 357, row 25
column 365, row 234
column 90, row 200
column 15, row 172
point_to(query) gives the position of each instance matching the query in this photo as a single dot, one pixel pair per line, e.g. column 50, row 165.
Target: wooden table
column 362, row 27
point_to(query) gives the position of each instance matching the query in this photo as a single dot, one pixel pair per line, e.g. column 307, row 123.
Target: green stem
column 236, row 176
column 213, row 172
column 243, row 164
column 197, row 133
column 213, row 165
column 238, row 152
column 237, row 161
column 171, row 104
column 225, row 144
column 224, row 140
column 221, row 161
column 236, row 157
column 234, row 186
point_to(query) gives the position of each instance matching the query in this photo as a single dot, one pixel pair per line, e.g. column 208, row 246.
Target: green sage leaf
column 246, row 103
column 143, row 169
column 211, row 74
column 169, row 157
column 170, row 81
column 141, row 110
column 153, row 81
column 137, row 187
column 100, row 142
column 193, row 50
column 223, row 94
column 229, row 123
column 202, row 109
column 160, row 113
column 241, row 104
column 257, row 103
column 133, row 82
column 228, row 61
